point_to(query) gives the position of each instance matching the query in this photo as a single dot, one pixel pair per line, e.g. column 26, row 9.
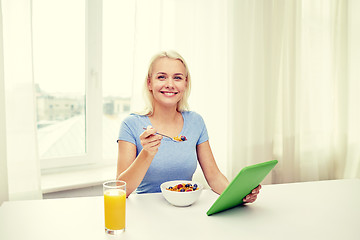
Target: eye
column 161, row 77
column 178, row 78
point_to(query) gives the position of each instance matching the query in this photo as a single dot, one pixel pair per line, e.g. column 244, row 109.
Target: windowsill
column 74, row 179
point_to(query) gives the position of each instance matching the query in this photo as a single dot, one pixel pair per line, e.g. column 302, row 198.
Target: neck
column 165, row 114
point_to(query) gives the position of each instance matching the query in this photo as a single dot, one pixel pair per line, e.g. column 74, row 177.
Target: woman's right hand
column 150, row 141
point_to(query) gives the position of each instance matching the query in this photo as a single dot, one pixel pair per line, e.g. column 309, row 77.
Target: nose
column 170, row 83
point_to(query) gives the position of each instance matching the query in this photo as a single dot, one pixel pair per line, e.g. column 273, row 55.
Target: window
column 82, row 54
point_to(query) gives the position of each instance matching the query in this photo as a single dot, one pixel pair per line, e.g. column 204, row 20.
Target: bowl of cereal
column 181, row 193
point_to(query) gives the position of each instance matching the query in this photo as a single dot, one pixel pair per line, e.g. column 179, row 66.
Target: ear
column 149, row 83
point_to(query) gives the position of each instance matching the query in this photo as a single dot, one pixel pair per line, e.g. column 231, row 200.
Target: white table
column 312, row 210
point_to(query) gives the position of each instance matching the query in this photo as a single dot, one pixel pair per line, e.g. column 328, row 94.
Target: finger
column 148, row 132
column 251, row 200
column 154, row 143
column 255, row 191
column 156, row 146
column 151, row 136
column 152, row 149
column 151, row 141
column 247, row 198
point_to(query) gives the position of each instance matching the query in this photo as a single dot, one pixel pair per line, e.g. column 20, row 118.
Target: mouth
column 169, row 94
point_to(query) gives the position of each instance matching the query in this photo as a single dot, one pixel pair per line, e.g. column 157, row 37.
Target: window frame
column 93, row 95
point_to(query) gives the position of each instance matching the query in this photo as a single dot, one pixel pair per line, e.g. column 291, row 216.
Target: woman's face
column 168, row 81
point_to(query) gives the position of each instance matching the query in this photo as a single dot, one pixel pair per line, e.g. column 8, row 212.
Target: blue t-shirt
column 174, row 160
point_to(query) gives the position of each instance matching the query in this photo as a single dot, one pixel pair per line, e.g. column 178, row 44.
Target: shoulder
column 133, row 117
column 191, row 115
column 195, row 126
column 134, row 120
column 131, row 127
column 194, row 120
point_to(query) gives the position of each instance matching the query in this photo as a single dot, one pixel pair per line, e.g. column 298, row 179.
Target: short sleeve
column 204, row 133
column 126, row 133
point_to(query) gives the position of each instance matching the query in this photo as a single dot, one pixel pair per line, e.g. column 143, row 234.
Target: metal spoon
column 165, row 136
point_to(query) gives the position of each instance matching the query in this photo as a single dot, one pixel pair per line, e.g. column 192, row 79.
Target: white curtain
column 22, row 158
column 198, row 30
column 294, row 88
column 352, row 136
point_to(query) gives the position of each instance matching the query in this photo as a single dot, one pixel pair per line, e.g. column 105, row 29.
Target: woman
column 146, row 159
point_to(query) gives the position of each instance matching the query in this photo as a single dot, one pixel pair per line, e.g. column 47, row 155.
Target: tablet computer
column 246, row 180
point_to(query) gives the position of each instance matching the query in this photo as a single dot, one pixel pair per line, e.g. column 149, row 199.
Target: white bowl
column 180, row 199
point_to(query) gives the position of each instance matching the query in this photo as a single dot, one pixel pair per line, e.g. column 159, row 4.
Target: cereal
column 180, row 138
column 184, row 187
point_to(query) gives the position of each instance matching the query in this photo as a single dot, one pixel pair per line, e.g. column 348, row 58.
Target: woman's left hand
column 250, row 198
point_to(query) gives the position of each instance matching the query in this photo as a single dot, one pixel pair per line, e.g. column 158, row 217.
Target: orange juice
column 114, row 204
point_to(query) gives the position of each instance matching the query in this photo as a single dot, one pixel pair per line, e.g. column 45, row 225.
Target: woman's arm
column 216, row 180
column 132, row 169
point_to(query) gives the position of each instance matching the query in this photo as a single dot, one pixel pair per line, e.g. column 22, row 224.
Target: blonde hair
column 148, row 96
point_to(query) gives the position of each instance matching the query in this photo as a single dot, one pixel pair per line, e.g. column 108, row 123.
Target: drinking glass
column 114, row 206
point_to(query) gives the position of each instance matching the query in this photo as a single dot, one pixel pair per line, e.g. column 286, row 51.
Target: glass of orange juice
column 114, row 206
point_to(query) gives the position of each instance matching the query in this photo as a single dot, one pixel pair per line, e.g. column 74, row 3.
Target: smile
column 169, row 93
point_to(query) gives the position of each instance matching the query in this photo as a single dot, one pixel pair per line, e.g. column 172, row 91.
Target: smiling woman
column 282, row 84
column 175, row 81
column 145, row 159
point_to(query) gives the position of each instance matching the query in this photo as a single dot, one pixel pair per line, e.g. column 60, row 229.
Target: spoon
column 172, row 138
